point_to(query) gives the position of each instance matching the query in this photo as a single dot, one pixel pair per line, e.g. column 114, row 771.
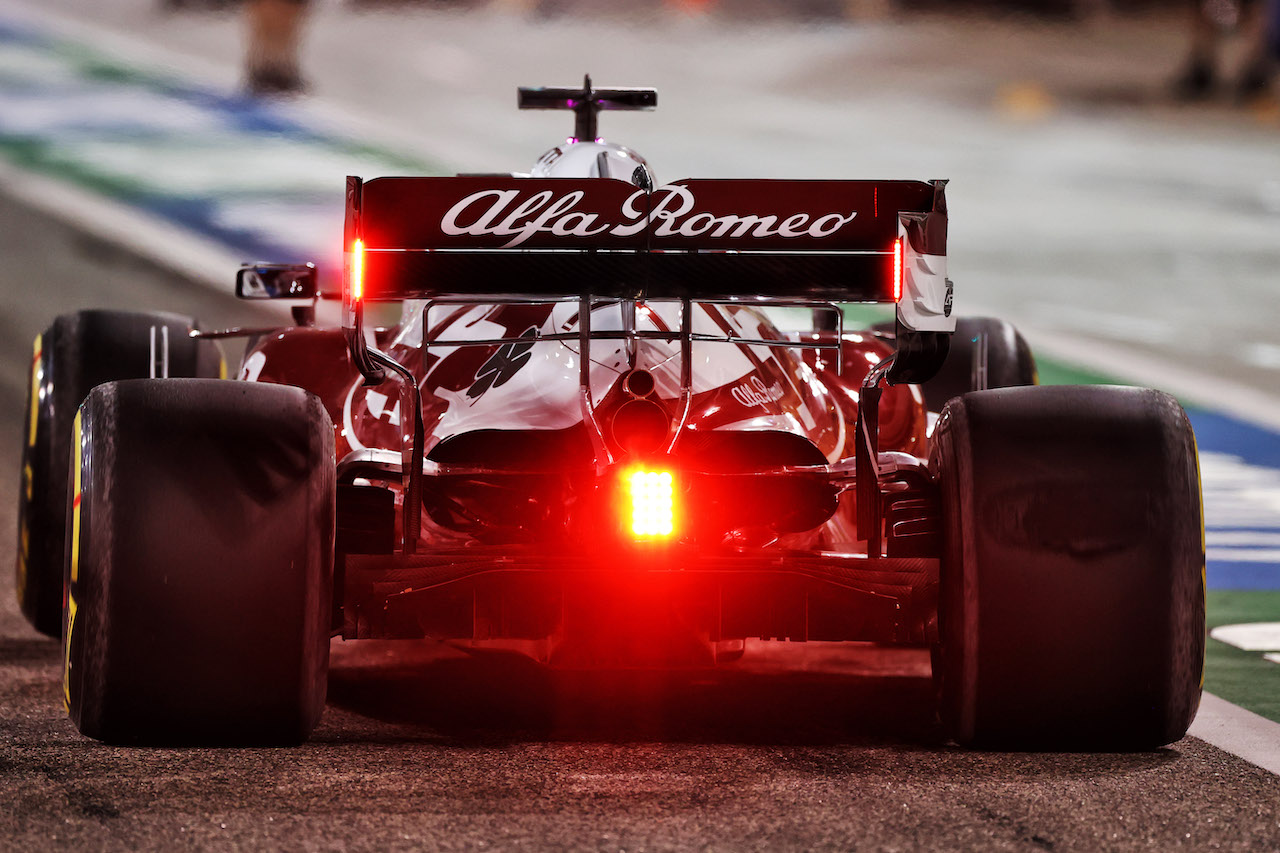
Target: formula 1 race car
column 588, row 441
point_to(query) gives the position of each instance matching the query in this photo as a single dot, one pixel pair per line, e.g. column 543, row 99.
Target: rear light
column 357, row 271
column 897, row 270
column 651, row 499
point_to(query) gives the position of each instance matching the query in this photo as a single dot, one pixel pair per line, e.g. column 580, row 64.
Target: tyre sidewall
column 1072, row 611
column 77, row 352
column 203, row 599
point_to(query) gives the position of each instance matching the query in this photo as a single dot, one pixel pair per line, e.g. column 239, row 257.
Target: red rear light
column 651, row 503
column 357, row 271
column 897, row 270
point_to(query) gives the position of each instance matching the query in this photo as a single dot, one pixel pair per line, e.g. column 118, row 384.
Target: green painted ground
column 1245, row 678
column 1055, row 373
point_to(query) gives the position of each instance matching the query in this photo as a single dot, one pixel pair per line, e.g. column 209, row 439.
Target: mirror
column 276, row 281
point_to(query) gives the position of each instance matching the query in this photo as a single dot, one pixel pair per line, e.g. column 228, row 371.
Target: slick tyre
column 73, row 355
column 1072, row 581
column 980, row 344
column 201, row 563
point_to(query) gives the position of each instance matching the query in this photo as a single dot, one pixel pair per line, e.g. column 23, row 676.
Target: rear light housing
column 897, row 269
column 357, row 271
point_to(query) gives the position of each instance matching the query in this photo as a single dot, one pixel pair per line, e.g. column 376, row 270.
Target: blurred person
column 272, row 66
column 1209, row 18
column 197, row 5
column 1274, row 24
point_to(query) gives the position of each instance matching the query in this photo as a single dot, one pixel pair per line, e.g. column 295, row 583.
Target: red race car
column 588, row 441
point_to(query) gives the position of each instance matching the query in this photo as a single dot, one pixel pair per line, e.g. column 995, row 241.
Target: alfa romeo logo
column 503, row 364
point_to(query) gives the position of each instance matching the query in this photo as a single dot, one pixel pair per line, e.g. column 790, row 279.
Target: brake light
column 897, row 270
column 357, row 270
column 652, row 499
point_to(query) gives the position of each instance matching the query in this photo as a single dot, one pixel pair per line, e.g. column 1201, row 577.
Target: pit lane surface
column 420, row 750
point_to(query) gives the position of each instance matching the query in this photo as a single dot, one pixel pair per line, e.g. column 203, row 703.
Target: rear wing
column 759, row 240
column 497, row 238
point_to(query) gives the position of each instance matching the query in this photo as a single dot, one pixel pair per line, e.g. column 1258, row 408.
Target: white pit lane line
column 1252, row 637
column 1219, row 723
column 1239, row 732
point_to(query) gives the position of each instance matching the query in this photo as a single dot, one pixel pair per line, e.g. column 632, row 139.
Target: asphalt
column 420, row 749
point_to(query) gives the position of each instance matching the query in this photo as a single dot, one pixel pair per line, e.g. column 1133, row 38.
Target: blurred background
column 1115, row 164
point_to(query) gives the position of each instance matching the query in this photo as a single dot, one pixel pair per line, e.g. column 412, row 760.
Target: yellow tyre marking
column 1204, row 579
column 66, row 654
column 75, row 565
column 36, row 378
column 75, row 505
column 24, row 537
column 28, row 477
column 24, row 552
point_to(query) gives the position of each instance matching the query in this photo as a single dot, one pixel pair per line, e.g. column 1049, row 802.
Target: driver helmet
column 597, row 159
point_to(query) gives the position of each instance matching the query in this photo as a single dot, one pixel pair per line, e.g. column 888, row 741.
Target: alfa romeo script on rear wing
column 847, row 241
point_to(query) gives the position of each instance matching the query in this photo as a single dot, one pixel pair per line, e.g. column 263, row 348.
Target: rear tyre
column 1072, row 601
column 1009, row 362
column 201, row 563
column 77, row 352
